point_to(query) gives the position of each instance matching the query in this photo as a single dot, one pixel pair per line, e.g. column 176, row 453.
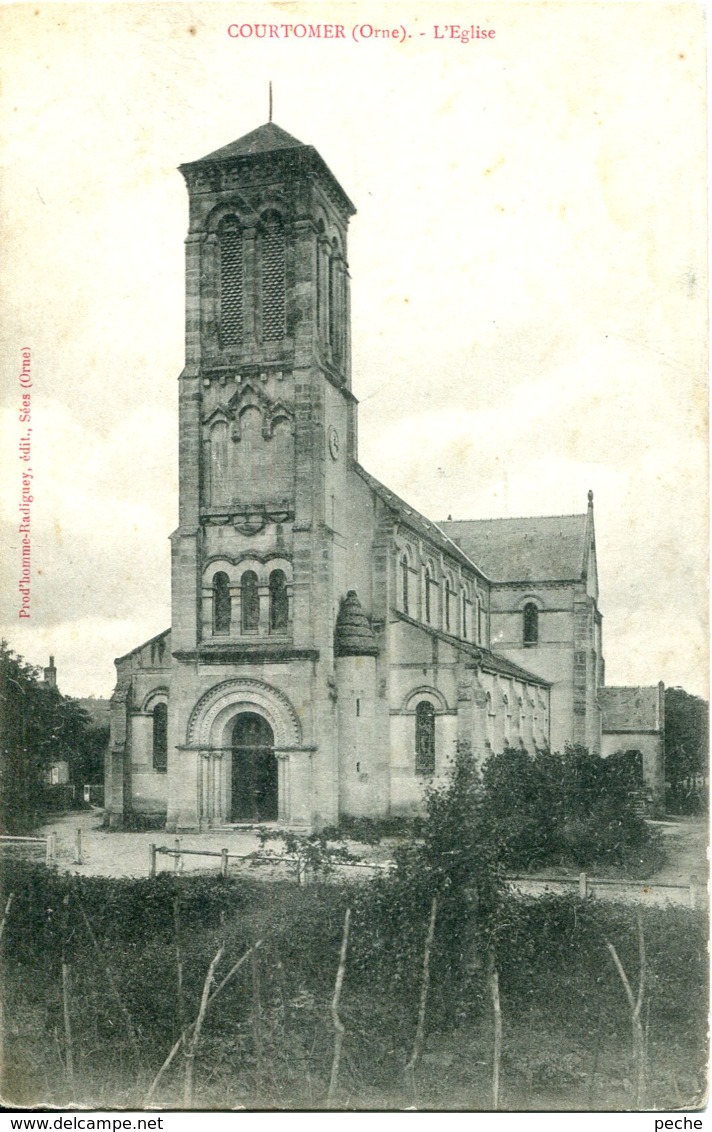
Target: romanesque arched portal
column 246, row 732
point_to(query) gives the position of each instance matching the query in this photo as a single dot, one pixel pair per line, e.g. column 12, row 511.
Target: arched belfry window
column 160, row 737
column 249, row 602
column 222, row 603
column 447, row 602
column 231, row 281
column 530, row 619
column 337, row 302
column 404, row 581
column 425, row 738
column 332, row 297
column 278, row 602
column 273, row 278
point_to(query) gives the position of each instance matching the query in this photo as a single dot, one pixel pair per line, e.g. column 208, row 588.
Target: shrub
column 574, row 808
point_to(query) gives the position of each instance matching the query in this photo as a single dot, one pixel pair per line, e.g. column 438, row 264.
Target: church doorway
column 254, row 769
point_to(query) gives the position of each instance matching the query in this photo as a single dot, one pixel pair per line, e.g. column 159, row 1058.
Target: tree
column 686, row 749
column 38, row 726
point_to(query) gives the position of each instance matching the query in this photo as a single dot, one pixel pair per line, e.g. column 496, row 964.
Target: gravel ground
column 125, row 854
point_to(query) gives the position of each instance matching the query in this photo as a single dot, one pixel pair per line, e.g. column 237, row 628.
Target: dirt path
column 685, row 841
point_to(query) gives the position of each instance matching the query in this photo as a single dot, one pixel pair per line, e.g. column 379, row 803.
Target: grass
column 268, row 1040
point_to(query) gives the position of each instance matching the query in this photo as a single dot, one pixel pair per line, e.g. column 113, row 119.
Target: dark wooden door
column 254, row 770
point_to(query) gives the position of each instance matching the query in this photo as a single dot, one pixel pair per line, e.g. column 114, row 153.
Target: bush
column 574, row 808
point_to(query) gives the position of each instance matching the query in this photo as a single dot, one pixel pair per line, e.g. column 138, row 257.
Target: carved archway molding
column 225, row 700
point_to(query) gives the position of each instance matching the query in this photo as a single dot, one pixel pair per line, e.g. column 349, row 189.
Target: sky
column 529, row 293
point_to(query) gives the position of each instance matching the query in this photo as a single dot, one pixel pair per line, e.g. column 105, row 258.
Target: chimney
column 50, row 674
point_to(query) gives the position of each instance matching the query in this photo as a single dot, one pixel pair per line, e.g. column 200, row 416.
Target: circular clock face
column 333, row 442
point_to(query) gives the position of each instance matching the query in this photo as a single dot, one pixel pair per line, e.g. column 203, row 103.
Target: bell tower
column 267, row 329
column 267, row 435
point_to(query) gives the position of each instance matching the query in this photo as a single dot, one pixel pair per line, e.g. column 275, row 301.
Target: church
column 330, row 647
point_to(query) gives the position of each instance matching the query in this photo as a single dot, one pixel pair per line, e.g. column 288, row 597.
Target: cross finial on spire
column 270, row 100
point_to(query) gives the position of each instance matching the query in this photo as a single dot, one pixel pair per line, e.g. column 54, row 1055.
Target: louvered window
column 278, row 602
column 231, row 283
column 273, row 281
column 250, row 602
column 222, row 603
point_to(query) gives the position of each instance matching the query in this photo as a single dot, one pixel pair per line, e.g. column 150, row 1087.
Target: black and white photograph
column 354, row 668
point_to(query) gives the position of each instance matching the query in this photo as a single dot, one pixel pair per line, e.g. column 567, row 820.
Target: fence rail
column 300, row 866
column 49, row 844
column 694, row 893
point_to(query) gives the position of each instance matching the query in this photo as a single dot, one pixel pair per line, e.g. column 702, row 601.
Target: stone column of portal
column 364, row 780
column 283, row 813
column 203, row 788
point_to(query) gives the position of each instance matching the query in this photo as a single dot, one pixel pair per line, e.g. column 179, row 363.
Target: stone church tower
column 266, row 427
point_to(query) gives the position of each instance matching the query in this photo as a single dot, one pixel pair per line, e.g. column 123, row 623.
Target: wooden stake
column 78, row 848
column 339, row 1028
column 180, row 1007
column 256, row 1028
column 152, row 860
column 497, row 1056
column 68, row 1043
column 224, row 862
column 420, row 1028
column 177, row 1045
column 6, row 913
column 191, row 1045
column 635, row 1003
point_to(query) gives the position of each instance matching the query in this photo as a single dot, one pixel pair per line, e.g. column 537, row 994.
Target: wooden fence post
column 177, row 859
column 78, row 848
column 223, row 862
column 152, row 860
column 583, row 886
column 51, row 848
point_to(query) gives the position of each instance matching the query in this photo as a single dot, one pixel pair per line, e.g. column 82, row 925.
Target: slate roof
column 264, row 139
column 493, row 662
column 271, row 138
column 630, row 709
column 138, row 648
column 435, row 532
column 489, row 661
column 546, row 549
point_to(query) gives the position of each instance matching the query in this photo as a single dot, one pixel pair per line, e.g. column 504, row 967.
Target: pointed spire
column 270, row 100
column 590, row 500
